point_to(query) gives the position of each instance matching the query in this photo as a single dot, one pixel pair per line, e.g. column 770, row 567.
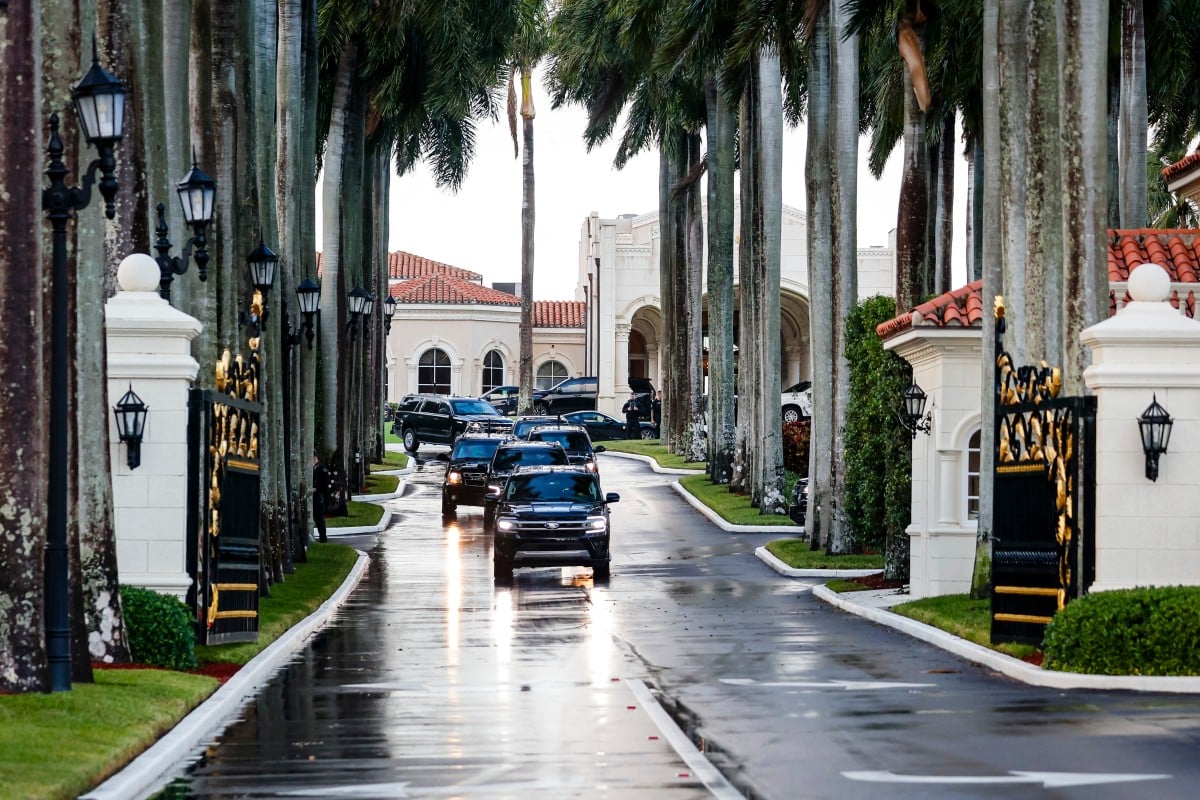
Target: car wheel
column 410, row 440
column 790, row 414
column 541, row 410
column 501, row 569
column 601, row 571
column 648, row 433
column 448, row 508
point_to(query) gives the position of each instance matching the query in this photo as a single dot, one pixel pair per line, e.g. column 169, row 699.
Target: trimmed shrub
column 1148, row 631
column 878, row 450
column 160, row 629
column 796, row 436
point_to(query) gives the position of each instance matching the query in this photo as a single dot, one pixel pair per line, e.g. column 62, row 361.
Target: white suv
column 797, row 402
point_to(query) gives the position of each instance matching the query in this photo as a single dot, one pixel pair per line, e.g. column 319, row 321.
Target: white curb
column 357, row 530
column 653, row 464
column 155, row 767
column 768, row 558
column 720, row 522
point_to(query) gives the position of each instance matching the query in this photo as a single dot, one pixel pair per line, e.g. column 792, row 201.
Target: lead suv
column 552, row 517
column 511, row 456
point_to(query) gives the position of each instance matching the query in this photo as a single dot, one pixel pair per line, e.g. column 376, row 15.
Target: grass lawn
column 381, row 484
column 359, row 514
column 652, row 448
column 733, row 508
column 62, row 744
column 798, row 554
column 389, row 437
column 965, row 618
column 391, row 460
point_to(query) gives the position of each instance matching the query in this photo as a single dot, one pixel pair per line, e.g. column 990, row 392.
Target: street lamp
column 262, row 262
column 356, row 302
column 308, row 296
column 1155, row 425
column 196, row 192
column 100, row 103
column 130, row 412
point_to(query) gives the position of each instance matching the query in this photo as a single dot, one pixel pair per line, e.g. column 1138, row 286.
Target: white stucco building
column 452, row 333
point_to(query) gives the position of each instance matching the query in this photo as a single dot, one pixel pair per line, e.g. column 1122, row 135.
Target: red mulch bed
column 222, row 672
column 877, row 581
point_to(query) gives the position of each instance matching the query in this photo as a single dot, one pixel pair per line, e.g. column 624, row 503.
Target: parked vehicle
column 796, row 402
column 573, row 394
column 799, row 505
column 573, row 439
column 466, row 479
column 601, row 426
column 523, row 425
column 502, row 398
column 438, row 419
column 552, row 516
column 512, row 455
column 644, row 390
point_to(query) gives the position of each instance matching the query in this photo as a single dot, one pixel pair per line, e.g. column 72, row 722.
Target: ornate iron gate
column 1043, row 549
column 223, row 503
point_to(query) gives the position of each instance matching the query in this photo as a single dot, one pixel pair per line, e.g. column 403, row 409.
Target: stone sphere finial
column 1149, row 283
column 138, row 272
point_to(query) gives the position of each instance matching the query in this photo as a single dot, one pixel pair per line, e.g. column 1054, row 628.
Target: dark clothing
column 319, row 499
column 656, row 412
column 633, row 425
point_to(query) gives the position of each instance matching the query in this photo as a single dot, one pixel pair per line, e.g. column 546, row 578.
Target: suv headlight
column 453, row 477
column 591, row 466
column 493, row 488
column 596, row 523
column 505, row 525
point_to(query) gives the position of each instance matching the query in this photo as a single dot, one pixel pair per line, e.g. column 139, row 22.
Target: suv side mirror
column 492, row 497
column 598, row 448
column 612, row 497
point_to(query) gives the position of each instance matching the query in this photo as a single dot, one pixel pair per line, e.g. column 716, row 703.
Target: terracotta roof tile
column 559, row 313
column 406, row 266
column 443, row 289
column 1177, row 251
column 1179, row 167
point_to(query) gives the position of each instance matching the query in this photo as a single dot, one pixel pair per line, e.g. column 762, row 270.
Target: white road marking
column 383, row 791
column 1048, row 780
column 849, row 686
column 697, row 762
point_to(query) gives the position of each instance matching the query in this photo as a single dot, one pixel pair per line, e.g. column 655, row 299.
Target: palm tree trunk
column 1133, row 117
column 694, row 430
column 720, row 285
column 528, row 209
column 943, row 226
column 818, row 178
column 912, row 255
column 746, row 453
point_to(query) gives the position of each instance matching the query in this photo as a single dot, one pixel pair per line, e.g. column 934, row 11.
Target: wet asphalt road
column 433, row 682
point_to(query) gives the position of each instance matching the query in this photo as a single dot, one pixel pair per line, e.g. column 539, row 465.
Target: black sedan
column 601, row 426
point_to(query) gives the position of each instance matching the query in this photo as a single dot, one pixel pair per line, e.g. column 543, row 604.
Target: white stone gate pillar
column 1147, row 532
column 149, row 348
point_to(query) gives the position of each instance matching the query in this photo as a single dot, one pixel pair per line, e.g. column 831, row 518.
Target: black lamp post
column 262, row 262
column 389, row 311
column 130, row 412
column 1155, row 425
column 308, row 296
column 916, row 419
column 356, row 302
column 196, row 192
column 100, row 104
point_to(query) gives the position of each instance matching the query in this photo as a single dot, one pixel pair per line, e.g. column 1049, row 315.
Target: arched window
column 433, row 372
column 549, row 374
column 972, row 464
column 493, row 370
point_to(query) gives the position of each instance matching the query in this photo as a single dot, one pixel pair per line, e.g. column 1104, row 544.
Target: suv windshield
column 474, row 407
column 553, row 487
column 481, row 449
column 510, row 457
column 571, row 441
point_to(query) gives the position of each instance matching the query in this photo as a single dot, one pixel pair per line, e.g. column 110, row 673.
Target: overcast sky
column 479, row 228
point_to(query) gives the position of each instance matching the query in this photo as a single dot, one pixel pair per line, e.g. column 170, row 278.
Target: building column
column 792, row 358
column 621, row 360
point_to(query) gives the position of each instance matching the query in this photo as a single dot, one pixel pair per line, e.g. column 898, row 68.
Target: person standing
column 320, row 486
column 633, row 424
column 656, row 411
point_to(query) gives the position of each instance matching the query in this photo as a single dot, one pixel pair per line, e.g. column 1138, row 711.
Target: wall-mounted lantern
column 916, row 418
column 1155, row 424
column 131, row 412
column 389, row 311
column 197, row 192
column 262, row 262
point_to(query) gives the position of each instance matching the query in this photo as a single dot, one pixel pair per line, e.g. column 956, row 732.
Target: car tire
column 648, row 433
column 601, row 571
column 791, row 414
column 501, row 569
column 541, row 410
column 410, row 440
column 448, row 508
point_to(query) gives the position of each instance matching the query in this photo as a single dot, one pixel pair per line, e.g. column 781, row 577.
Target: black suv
column 573, row 438
column 552, row 517
column 465, row 482
column 439, row 419
column 573, row 394
column 511, row 455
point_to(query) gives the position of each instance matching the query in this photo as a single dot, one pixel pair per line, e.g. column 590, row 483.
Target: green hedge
column 160, row 629
column 1150, row 631
column 878, row 450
